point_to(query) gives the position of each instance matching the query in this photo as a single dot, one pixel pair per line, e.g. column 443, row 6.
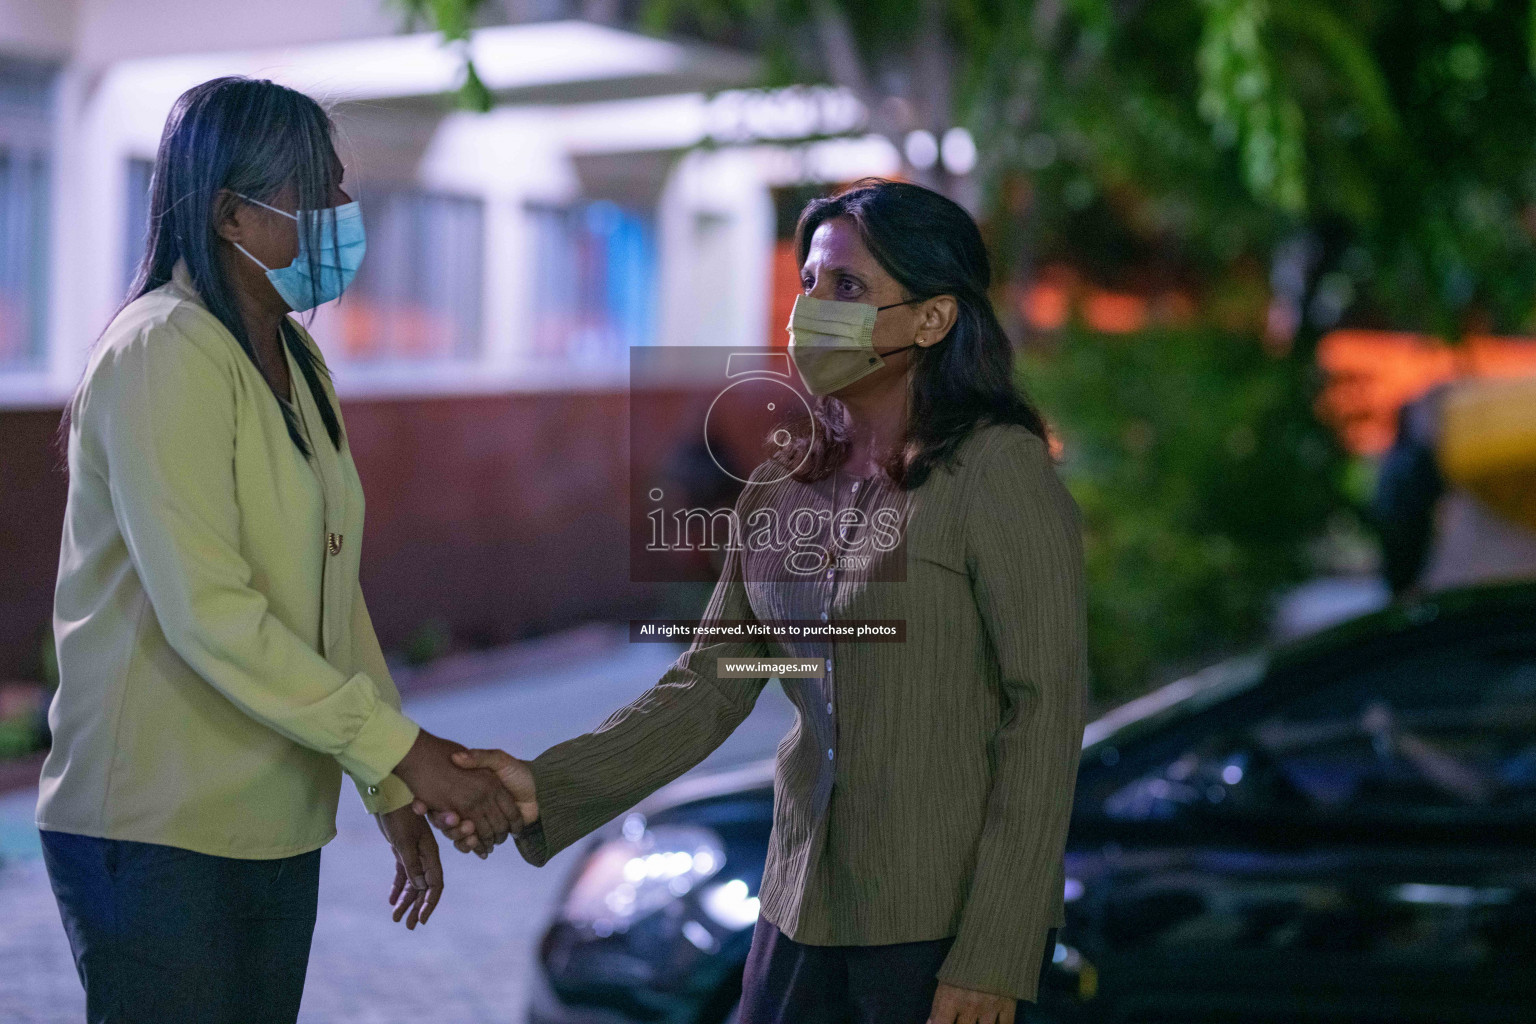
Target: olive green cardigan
column 926, row 787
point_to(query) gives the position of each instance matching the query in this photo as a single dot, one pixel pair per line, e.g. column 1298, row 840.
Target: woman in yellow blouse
column 218, row 670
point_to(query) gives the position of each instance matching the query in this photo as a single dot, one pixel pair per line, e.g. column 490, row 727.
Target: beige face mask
column 832, row 343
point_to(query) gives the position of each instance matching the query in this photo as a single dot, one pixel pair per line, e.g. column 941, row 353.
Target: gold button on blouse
column 333, row 543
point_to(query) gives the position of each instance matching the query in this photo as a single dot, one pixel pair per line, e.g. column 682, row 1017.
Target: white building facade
column 619, row 194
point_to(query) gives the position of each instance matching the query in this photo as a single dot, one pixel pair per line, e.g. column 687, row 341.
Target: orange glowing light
column 1114, row 312
column 1373, row 374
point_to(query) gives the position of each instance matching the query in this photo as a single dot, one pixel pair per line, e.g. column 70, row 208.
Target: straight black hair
column 252, row 137
column 930, row 246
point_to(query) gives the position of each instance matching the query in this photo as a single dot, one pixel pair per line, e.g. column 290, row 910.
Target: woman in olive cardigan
column 218, row 670
column 914, row 871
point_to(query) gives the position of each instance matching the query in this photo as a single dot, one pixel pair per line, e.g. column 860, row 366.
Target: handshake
column 477, row 798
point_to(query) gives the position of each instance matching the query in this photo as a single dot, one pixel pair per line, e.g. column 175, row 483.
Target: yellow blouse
column 217, row 666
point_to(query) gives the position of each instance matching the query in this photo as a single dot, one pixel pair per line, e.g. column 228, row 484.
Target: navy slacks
column 789, row 982
column 161, row 934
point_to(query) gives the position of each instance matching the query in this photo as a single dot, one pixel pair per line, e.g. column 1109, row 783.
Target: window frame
column 28, row 98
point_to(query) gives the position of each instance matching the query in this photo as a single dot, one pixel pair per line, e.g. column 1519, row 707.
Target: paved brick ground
column 472, row 963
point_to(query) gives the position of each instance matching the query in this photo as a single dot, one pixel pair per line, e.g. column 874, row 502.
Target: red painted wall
column 32, row 485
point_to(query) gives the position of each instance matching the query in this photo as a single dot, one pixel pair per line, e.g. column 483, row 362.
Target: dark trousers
column 788, row 982
column 162, row 934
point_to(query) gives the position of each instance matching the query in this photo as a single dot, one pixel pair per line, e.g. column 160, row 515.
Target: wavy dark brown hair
column 931, row 247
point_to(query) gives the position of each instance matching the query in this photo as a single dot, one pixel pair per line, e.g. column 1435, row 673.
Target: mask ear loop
column 292, row 217
column 269, row 206
column 896, row 351
column 258, row 202
column 253, row 259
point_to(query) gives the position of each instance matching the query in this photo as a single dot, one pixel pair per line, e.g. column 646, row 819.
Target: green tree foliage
column 1202, row 480
column 1402, row 131
column 455, row 20
column 1400, row 135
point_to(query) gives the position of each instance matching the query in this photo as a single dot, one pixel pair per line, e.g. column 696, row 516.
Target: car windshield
column 1443, row 736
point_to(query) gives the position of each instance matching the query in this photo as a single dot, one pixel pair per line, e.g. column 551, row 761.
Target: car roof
column 1228, row 678
column 1470, row 603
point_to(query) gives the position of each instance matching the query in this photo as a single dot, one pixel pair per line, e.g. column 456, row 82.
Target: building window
column 594, row 282
column 418, row 295
column 26, row 92
column 136, row 205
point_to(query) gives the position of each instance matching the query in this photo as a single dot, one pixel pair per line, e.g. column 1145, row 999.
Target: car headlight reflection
column 731, row 905
column 625, row 879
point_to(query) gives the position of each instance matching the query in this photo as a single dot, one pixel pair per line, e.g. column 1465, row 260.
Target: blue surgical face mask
column 342, row 245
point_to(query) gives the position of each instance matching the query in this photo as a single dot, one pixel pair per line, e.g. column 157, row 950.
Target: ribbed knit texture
column 943, row 806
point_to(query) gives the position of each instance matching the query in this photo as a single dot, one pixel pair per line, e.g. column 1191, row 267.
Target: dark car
column 1342, row 830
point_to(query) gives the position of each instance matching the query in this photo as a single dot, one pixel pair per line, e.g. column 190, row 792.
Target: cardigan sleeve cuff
column 530, row 843
column 1008, row 965
column 1002, row 944
column 383, row 741
column 560, row 821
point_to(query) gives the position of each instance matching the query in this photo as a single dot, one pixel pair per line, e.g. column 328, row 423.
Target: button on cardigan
column 217, row 667
column 926, row 787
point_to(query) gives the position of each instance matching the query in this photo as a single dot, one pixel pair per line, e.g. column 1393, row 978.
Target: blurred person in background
column 1456, row 499
column 217, row 667
column 914, row 871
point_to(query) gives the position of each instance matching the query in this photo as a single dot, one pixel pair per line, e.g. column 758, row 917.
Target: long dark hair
column 253, row 137
column 930, row 246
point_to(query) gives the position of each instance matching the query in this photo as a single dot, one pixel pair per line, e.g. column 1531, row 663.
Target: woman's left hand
column 953, row 1005
column 418, row 868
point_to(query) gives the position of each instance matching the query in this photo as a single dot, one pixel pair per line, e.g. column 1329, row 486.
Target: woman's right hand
column 516, row 778
column 477, row 799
